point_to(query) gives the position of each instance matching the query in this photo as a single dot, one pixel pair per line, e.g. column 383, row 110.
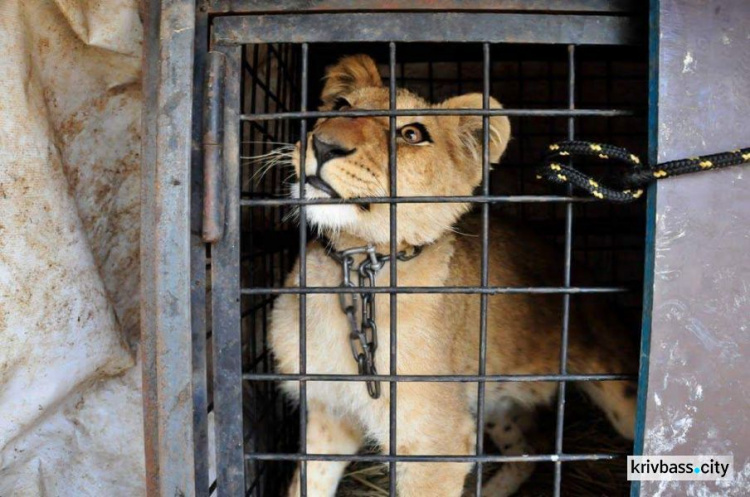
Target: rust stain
column 43, row 45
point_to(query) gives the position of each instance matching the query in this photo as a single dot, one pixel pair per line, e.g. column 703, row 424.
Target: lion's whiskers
column 280, row 157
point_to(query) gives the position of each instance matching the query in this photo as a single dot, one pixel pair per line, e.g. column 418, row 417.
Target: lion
column 437, row 333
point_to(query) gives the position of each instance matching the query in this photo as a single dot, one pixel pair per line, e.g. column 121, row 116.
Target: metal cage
column 552, row 89
column 559, row 75
column 214, row 422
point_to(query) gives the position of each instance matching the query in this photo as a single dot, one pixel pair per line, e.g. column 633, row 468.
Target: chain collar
column 363, row 337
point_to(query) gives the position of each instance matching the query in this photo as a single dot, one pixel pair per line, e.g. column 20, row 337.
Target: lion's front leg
column 432, row 420
column 326, row 434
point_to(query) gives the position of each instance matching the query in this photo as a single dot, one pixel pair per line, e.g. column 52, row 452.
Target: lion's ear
column 349, row 73
column 471, row 126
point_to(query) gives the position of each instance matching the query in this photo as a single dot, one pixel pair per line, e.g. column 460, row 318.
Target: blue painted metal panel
column 696, row 400
column 649, row 259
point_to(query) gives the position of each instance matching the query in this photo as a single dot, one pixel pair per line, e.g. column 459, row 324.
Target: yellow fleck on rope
column 634, row 194
column 660, row 174
column 706, row 164
column 595, row 147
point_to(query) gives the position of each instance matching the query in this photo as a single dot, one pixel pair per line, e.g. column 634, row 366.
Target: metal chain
column 363, row 336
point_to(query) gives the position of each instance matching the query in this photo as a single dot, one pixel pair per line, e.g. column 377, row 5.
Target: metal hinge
column 213, row 153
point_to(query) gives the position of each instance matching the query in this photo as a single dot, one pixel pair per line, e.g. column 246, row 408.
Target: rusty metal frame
column 166, row 319
column 428, row 26
column 290, row 6
column 198, row 258
column 225, row 279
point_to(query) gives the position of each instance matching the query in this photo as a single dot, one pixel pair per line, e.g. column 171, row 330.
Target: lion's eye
column 415, row 134
column 341, row 104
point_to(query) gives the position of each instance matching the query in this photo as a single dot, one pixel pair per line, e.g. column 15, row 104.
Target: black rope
column 633, row 182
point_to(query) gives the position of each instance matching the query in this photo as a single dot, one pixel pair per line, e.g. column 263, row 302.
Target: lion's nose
column 325, row 151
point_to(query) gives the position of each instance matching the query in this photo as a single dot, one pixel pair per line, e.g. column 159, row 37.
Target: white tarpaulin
column 70, row 101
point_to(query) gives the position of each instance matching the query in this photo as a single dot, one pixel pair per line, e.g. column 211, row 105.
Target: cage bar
column 561, row 390
column 435, row 378
column 393, row 266
column 437, row 112
column 425, row 458
column 478, row 199
column 482, row 367
column 303, row 278
column 492, row 290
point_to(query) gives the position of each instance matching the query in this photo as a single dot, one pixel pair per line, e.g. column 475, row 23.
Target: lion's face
column 348, row 158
